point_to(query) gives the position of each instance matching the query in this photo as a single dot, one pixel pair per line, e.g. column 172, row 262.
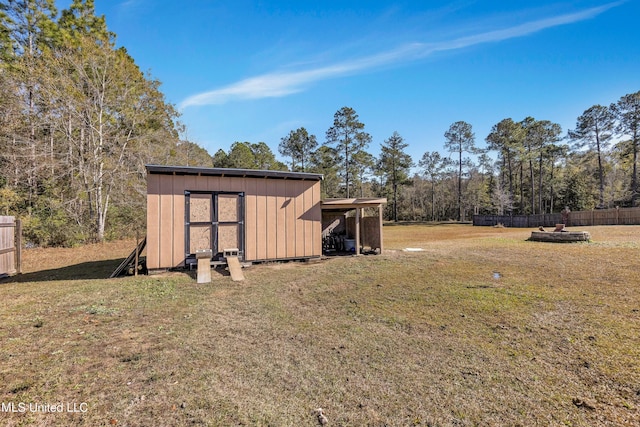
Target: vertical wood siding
column 290, row 212
column 167, row 221
column 261, row 219
column 251, row 227
column 272, row 213
column 7, row 246
column 179, row 183
column 153, row 221
column 299, row 203
column 281, row 221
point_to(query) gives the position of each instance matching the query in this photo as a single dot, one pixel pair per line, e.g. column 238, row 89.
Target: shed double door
column 214, row 220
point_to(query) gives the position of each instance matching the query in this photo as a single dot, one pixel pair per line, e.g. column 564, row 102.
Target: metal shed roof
column 241, row 173
column 348, row 204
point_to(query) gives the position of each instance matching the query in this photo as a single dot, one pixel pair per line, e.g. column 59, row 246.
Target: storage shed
column 365, row 231
column 265, row 215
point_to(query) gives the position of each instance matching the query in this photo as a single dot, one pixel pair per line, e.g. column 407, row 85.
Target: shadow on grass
column 215, row 272
column 83, row 271
column 91, row 270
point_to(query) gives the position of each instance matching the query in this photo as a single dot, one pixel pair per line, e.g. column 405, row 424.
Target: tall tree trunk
column 522, row 211
column 551, row 189
column 540, row 210
column 634, row 177
column 433, row 200
column 533, row 187
column 395, row 193
column 460, row 185
column 600, row 174
column 511, row 195
column 346, row 166
column 395, row 203
column 16, row 167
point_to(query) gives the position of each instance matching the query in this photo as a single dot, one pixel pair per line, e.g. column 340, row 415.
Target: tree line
column 79, row 120
column 526, row 167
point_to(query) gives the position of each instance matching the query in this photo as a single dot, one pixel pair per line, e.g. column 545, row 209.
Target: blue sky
column 242, row 70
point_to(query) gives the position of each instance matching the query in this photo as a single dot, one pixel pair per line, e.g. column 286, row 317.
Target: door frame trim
column 214, row 222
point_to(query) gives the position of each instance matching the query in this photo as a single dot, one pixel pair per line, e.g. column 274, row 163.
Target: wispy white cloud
column 522, row 29
column 279, row 84
column 129, row 8
column 130, row 3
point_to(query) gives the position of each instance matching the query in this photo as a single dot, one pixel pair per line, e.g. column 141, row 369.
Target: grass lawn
column 481, row 328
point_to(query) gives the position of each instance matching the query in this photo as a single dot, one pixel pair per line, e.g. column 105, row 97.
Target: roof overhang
column 229, row 172
column 349, row 204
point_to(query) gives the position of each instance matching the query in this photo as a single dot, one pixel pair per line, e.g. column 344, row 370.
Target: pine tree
column 395, row 164
column 264, row 159
column 221, row 159
column 348, row 136
column 80, row 20
column 433, row 167
column 298, row 145
column 594, row 130
column 325, row 161
column 506, row 137
column 241, row 156
column 627, row 111
column 460, row 139
column 6, row 43
column 539, row 136
column 31, row 27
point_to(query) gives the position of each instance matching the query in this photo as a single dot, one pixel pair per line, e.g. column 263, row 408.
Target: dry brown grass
column 481, row 328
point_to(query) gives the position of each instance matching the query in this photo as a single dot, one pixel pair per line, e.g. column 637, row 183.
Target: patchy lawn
column 481, row 328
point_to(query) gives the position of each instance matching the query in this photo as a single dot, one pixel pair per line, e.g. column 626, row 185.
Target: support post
column 346, row 225
column 357, row 233
column 18, row 246
column 135, row 271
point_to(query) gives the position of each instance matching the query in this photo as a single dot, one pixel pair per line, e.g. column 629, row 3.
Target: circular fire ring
column 560, row 236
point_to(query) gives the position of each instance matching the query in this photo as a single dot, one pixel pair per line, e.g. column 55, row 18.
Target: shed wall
column 369, row 234
column 282, row 217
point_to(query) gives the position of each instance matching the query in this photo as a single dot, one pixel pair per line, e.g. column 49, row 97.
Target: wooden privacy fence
column 10, row 246
column 618, row 216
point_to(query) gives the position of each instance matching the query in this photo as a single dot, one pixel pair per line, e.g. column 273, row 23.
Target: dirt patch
column 39, row 259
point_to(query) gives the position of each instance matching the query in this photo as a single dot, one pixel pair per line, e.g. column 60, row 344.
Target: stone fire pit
column 560, row 235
